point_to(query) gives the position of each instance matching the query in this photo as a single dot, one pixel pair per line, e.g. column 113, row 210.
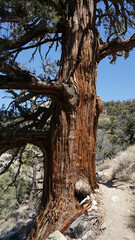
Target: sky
column 114, row 81
column 117, row 81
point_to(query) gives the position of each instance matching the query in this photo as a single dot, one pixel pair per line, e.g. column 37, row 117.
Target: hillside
column 116, row 128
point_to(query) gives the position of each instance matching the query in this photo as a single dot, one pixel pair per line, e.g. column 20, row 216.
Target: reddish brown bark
column 73, row 129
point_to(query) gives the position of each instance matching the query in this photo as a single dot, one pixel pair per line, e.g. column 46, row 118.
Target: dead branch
column 38, row 44
column 113, row 47
column 11, row 161
column 38, row 138
column 20, row 99
column 17, row 78
column 19, row 168
column 35, row 32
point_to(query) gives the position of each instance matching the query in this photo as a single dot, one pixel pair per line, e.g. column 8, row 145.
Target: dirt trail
column 117, row 204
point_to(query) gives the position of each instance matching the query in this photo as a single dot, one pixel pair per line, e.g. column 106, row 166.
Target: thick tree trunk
column 73, row 128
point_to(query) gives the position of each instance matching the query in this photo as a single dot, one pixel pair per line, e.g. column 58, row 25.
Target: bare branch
column 38, row 118
column 30, row 83
column 116, row 17
column 35, row 32
column 6, row 167
column 18, row 79
column 115, row 46
column 19, row 168
column 44, row 118
column 38, row 138
column 20, row 99
column 48, row 40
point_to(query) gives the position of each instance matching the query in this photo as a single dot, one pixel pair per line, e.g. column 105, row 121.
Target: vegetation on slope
column 116, row 128
column 22, row 182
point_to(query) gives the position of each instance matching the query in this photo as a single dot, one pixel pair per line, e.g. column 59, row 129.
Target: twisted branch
column 116, row 46
column 38, row 138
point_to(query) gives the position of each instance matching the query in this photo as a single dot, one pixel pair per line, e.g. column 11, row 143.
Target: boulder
column 81, row 226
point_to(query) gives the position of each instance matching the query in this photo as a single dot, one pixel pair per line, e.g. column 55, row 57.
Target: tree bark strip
column 73, row 130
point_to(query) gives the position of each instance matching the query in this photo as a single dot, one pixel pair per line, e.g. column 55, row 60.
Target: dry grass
column 121, row 168
column 125, row 166
column 103, row 166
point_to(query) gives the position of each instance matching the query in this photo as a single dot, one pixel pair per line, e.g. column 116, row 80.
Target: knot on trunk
column 70, row 96
column 82, row 189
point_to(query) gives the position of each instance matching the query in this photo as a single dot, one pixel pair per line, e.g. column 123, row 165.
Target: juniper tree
column 69, row 145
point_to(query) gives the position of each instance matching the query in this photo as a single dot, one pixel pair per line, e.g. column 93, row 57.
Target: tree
column 69, row 146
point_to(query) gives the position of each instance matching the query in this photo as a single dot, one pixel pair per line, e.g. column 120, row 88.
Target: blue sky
column 114, row 81
column 117, row 81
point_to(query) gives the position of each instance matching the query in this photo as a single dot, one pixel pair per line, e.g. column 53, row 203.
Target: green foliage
column 23, row 189
column 116, row 128
column 47, row 19
column 20, row 19
column 104, row 124
column 26, row 188
column 6, row 116
column 8, row 197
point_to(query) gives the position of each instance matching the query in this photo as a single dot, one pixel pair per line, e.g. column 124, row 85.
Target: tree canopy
column 32, row 24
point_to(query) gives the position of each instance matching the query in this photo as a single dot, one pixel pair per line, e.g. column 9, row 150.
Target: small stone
column 93, row 208
column 103, row 226
column 56, row 236
column 94, row 203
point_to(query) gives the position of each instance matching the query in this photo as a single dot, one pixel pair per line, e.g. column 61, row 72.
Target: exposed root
column 82, row 209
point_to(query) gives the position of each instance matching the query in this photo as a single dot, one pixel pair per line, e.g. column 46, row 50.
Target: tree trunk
column 73, row 129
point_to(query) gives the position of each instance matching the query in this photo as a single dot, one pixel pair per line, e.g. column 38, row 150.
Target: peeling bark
column 70, row 150
column 73, row 130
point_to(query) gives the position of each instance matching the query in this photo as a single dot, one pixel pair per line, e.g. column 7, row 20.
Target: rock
column 81, row 226
column 56, row 236
column 98, row 176
column 94, row 203
column 82, row 189
column 22, row 209
column 103, row 226
column 32, row 214
column 76, row 228
column 128, row 238
column 93, row 208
